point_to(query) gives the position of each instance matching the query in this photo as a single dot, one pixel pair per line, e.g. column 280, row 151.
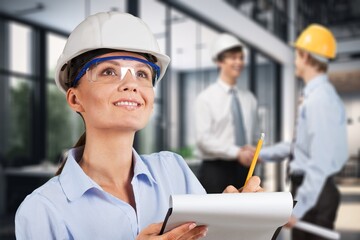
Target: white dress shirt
column 321, row 144
column 215, row 132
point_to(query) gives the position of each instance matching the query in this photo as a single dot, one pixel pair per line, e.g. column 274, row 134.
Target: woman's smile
column 128, row 104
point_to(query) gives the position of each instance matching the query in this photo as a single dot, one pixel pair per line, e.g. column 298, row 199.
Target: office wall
column 352, row 107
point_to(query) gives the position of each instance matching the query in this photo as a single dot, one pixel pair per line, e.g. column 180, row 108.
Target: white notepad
column 250, row 216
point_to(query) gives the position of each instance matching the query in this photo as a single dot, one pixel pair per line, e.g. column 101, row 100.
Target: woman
column 105, row 190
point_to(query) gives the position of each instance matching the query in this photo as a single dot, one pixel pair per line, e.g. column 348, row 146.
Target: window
column 267, row 91
column 64, row 126
column 150, row 138
column 16, row 100
column 54, row 49
column 18, row 149
column 20, row 48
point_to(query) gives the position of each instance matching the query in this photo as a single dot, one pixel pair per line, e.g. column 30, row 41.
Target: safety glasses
column 114, row 69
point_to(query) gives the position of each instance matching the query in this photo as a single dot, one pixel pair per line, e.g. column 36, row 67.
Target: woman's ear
column 72, row 98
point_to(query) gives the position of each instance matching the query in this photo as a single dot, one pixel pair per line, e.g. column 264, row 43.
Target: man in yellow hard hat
column 319, row 149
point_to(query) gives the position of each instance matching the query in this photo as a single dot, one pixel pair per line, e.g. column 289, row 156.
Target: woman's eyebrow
column 114, row 62
column 134, row 63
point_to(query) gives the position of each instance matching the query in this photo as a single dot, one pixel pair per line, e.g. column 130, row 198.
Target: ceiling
column 191, row 40
column 343, row 16
column 64, row 16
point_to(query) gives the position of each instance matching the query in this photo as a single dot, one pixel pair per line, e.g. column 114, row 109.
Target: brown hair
column 220, row 57
column 320, row 66
column 80, row 142
column 75, row 66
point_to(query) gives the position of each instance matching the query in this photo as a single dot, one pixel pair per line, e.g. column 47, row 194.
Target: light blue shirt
column 73, row 206
column 321, row 148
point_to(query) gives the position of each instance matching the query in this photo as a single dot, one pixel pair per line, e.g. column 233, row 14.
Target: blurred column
column 289, row 80
column 39, row 115
column 4, row 99
column 133, row 7
column 4, row 88
column 252, row 59
column 279, row 26
column 165, row 87
column 288, row 104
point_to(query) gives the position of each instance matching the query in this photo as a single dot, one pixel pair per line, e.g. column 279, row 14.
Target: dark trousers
column 216, row 175
column 323, row 213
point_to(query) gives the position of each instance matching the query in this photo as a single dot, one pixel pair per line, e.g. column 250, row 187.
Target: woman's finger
column 253, row 185
column 150, row 231
column 231, row 189
column 196, row 233
column 178, row 232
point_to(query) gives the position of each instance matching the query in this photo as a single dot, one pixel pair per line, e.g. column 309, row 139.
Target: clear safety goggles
column 114, row 69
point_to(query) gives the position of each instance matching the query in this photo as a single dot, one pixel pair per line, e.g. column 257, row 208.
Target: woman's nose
column 128, row 83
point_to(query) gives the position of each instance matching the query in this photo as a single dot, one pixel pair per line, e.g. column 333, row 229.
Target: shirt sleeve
column 322, row 120
column 275, row 153
column 205, row 140
column 193, row 186
column 36, row 218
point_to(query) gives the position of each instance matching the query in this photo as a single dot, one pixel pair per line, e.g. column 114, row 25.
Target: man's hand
column 186, row 231
column 246, row 154
column 253, row 185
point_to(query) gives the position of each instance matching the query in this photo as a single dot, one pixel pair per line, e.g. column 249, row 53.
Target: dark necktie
column 240, row 135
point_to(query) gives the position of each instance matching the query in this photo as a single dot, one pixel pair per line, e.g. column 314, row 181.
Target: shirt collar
column 75, row 182
column 225, row 86
column 140, row 168
column 314, row 83
column 73, row 179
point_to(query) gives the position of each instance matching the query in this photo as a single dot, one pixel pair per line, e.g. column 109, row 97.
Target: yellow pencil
column 255, row 158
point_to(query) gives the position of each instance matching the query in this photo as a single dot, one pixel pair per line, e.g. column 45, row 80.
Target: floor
column 348, row 218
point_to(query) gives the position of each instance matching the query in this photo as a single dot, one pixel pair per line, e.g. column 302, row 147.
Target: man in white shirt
column 226, row 119
column 320, row 147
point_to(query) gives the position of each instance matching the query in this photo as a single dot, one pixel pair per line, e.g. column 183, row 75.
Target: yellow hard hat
column 317, row 39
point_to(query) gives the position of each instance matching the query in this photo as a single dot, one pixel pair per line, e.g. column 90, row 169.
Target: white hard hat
column 110, row 30
column 222, row 43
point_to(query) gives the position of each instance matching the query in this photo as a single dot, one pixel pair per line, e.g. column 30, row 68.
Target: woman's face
column 125, row 105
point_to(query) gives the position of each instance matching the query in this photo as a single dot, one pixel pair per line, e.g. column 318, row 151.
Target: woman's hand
column 253, row 185
column 187, row 231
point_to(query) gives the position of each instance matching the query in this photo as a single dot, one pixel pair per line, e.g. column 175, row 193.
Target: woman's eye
column 109, row 72
column 142, row 74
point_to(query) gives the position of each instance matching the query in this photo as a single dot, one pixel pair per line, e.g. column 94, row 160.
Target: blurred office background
column 37, row 127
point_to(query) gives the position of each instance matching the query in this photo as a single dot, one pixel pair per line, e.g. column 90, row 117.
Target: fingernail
column 205, row 232
column 192, row 226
